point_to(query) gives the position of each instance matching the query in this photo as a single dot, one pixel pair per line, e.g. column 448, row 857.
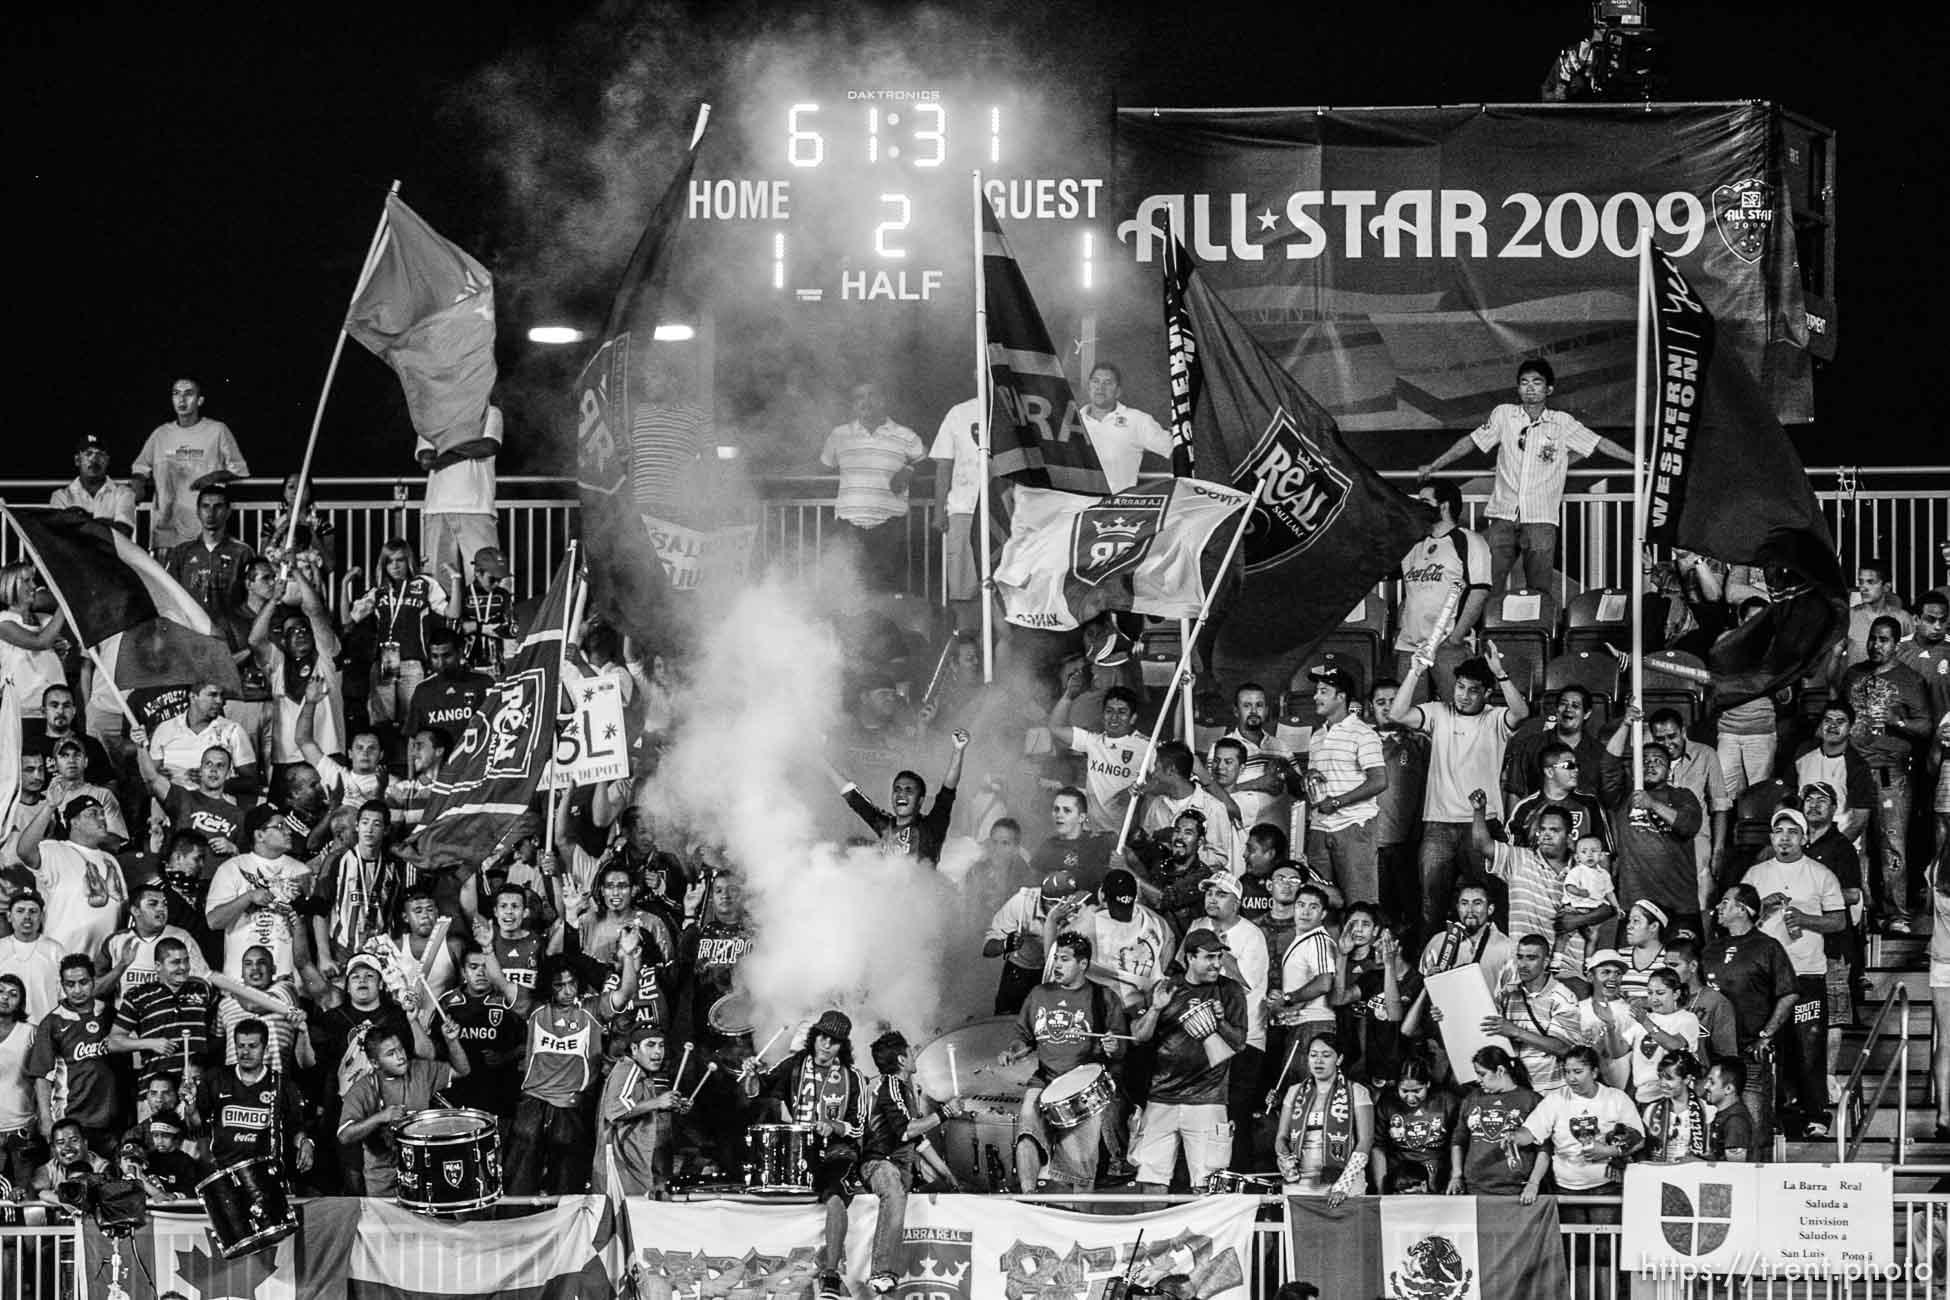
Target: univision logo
column 1698, row 1231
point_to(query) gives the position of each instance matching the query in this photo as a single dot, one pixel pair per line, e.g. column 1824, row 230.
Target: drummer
column 253, row 1111
column 634, row 1122
column 396, row 1086
column 818, row 1086
column 1064, row 1023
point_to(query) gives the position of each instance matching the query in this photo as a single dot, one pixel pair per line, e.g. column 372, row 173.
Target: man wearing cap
column 458, row 513
column 1828, row 846
column 1466, row 745
column 818, row 1085
column 1801, row 901
column 1831, row 759
column 1063, row 1023
column 483, row 613
column 1246, row 946
column 906, row 831
column 1131, row 944
column 634, row 1120
column 68, row 780
column 1603, row 1017
column 1345, row 773
column 1655, row 826
column 78, row 877
column 1754, row 972
column 254, row 896
column 93, row 491
column 1197, row 1023
column 175, row 457
column 1015, row 934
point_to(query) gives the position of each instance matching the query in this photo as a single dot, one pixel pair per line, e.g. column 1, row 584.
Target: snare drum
column 1076, row 1095
column 781, row 1159
column 248, row 1205
column 449, row 1161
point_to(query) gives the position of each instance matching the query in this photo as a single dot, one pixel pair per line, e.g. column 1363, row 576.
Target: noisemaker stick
column 682, row 1061
column 768, row 1043
column 954, row 1078
column 710, row 1069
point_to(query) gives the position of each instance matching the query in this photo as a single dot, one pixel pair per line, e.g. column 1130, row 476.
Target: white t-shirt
column 1811, row 889
column 328, row 723
column 1567, row 1121
column 1247, row 943
column 142, row 966
column 1457, row 561
column 954, row 443
column 1616, row 1071
column 39, row 966
column 178, row 751
column 270, row 926
column 1308, row 957
column 1121, row 436
column 1465, row 754
column 1221, row 835
column 1130, row 947
column 1816, row 766
column 63, row 882
column 1112, row 770
column 355, row 788
column 16, row 1094
column 1645, row 1069
column 175, row 457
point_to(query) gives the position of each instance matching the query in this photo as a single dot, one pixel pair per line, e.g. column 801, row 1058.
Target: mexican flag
column 1411, row 1247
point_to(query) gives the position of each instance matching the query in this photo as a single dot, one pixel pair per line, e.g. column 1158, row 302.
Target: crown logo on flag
column 1120, row 526
column 934, row 1272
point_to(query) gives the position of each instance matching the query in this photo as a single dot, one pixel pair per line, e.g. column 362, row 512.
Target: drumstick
column 682, row 1061
column 710, row 1068
column 768, row 1042
column 954, row 1079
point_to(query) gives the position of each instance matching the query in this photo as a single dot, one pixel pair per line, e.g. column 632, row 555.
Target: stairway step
column 1883, row 980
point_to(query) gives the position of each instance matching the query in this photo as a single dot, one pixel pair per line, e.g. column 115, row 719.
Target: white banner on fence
column 590, row 742
column 1799, row 1220
column 697, row 557
column 952, row 1247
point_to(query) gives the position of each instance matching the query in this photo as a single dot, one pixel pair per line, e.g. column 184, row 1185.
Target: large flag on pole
column 1455, row 1247
column 1070, row 558
column 1328, row 527
column 487, row 784
column 1181, row 343
column 1725, row 480
column 427, row 310
column 1036, row 434
column 642, row 428
column 150, row 635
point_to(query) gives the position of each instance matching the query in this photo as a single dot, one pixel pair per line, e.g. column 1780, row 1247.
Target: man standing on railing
column 1124, row 437
column 875, row 458
column 1534, row 447
column 176, row 455
column 458, row 515
column 958, row 498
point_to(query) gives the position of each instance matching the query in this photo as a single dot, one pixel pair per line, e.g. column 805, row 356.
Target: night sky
column 193, row 188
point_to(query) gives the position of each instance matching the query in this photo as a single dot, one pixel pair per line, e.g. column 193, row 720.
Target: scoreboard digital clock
column 864, row 194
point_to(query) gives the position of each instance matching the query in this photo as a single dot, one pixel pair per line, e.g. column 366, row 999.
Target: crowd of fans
column 215, row 945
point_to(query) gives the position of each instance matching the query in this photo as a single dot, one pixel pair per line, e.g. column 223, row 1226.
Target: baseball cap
column 89, row 442
column 1059, row 884
column 1335, row 676
column 490, row 558
column 78, row 805
column 644, row 1033
column 1794, row 815
column 1201, row 940
column 1222, row 880
column 1119, row 886
column 364, row 960
column 1822, row 788
column 1605, row 957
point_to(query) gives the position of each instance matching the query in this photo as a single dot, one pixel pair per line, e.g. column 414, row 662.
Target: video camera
column 1623, row 59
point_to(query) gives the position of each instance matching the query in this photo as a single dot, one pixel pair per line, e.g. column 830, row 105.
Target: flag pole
column 572, row 607
column 1639, row 484
column 60, row 599
column 1184, row 668
column 331, row 372
column 982, row 399
column 1181, row 441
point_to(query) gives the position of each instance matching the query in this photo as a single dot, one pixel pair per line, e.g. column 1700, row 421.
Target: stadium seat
column 1297, row 710
column 1751, row 812
column 1523, row 623
column 1666, row 691
column 1596, row 671
column 1596, row 617
column 1361, row 641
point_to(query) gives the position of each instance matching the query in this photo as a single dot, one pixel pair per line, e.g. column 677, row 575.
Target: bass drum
column 979, row 1147
column 974, row 1048
column 449, row 1161
column 249, row 1206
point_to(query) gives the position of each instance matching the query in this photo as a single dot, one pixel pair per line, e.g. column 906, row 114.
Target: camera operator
column 70, row 1177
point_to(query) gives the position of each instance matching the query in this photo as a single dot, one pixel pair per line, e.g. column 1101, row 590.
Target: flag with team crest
column 1071, row 557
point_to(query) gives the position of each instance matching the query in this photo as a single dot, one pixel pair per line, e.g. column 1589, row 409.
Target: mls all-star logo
column 1744, row 213
column 1305, row 492
column 1692, row 1230
column 1112, row 536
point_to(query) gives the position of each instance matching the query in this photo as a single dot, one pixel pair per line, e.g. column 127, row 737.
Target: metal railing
column 538, row 515
column 1897, row 1068
column 44, row 1260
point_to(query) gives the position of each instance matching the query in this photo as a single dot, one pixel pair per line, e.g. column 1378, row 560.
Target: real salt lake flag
column 364, row 1249
column 1411, row 1247
column 1070, row 557
column 487, row 783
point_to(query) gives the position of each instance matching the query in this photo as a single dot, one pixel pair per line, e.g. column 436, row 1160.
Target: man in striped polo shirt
column 168, row 1020
column 1539, row 902
column 1345, row 772
column 875, row 458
